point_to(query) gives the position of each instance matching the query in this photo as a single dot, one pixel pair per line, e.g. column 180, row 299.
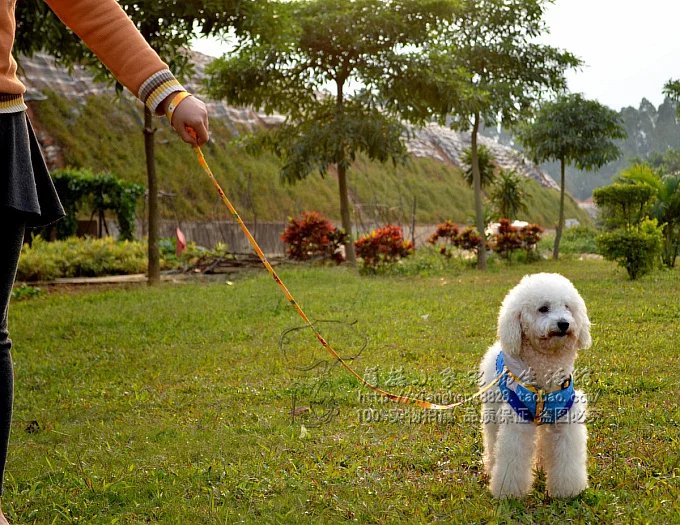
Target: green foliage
column 573, row 130
column 637, row 250
column 653, row 133
column 624, row 205
column 314, row 44
column 382, row 247
column 25, row 291
column 494, row 42
column 101, row 193
column 487, row 166
column 313, row 237
column 76, row 257
column 635, row 241
column 666, row 206
column 576, row 240
column 168, row 26
column 86, row 257
column 509, row 195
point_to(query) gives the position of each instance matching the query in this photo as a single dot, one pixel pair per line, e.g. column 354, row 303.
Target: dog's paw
column 508, row 487
column 566, row 490
column 508, row 492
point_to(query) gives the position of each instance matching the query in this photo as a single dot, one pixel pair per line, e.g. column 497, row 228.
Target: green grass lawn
column 173, row 405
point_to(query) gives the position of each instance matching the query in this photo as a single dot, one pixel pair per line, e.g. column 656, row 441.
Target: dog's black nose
column 563, row 325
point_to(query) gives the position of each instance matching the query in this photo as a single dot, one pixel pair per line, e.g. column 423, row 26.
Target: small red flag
column 181, row 242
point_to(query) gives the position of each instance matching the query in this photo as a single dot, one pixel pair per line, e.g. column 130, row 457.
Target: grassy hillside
column 104, row 134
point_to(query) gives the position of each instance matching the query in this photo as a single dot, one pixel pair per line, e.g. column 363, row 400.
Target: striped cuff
column 12, row 103
column 157, row 87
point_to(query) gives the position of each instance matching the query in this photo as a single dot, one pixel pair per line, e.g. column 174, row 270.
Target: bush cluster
column 507, row 240
column 87, row 257
column 510, row 238
column 382, row 247
column 313, row 237
column 637, row 250
column 633, row 240
column 77, row 257
column 452, row 237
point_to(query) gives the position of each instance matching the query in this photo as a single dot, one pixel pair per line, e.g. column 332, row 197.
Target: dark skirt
column 25, row 182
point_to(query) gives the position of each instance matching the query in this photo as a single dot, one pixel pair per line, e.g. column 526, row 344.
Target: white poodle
column 533, row 415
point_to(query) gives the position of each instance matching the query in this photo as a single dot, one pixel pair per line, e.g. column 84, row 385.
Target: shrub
column 382, row 247
column 624, row 205
column 575, row 240
column 507, row 240
column 530, row 236
column 84, row 257
column 448, row 232
column 469, row 239
column 637, row 250
column 103, row 192
column 313, row 237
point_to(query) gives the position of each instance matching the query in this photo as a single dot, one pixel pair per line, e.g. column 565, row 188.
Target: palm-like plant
column 487, row 166
column 509, row 195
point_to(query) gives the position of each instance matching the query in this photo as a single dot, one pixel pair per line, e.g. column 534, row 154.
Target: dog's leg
column 512, row 473
column 564, row 452
column 538, row 456
column 490, row 432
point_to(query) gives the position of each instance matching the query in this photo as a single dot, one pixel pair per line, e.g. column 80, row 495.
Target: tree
column 494, row 41
column 572, row 130
column 509, row 194
column 168, row 26
column 352, row 48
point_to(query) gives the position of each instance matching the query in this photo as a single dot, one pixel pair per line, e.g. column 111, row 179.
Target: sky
column 631, row 48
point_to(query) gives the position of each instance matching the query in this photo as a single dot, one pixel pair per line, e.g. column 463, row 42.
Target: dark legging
column 12, row 225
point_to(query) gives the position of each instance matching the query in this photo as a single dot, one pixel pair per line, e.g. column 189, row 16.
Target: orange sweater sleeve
column 111, row 35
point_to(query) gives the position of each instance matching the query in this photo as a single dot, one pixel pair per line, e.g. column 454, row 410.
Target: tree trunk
column 477, row 186
column 342, row 181
column 345, row 214
column 560, row 224
column 154, row 270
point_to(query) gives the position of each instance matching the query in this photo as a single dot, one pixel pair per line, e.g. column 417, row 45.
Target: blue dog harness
column 531, row 403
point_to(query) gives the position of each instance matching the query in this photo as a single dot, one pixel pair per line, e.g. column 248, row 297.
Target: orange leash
column 399, row 399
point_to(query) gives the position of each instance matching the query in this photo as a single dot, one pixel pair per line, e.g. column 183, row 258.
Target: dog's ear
column 510, row 328
column 584, row 341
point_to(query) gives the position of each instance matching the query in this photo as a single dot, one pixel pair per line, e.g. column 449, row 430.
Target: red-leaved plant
column 469, row 239
column 383, row 247
column 313, row 237
column 447, row 232
column 507, row 239
column 510, row 238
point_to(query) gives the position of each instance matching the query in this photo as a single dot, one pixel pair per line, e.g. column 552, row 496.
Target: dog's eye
column 544, row 309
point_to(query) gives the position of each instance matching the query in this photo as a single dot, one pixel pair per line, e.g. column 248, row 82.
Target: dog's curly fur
column 540, row 347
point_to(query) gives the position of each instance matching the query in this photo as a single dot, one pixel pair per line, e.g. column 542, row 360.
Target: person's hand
column 190, row 113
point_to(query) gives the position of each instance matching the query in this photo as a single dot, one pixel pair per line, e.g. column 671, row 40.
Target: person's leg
column 12, row 226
